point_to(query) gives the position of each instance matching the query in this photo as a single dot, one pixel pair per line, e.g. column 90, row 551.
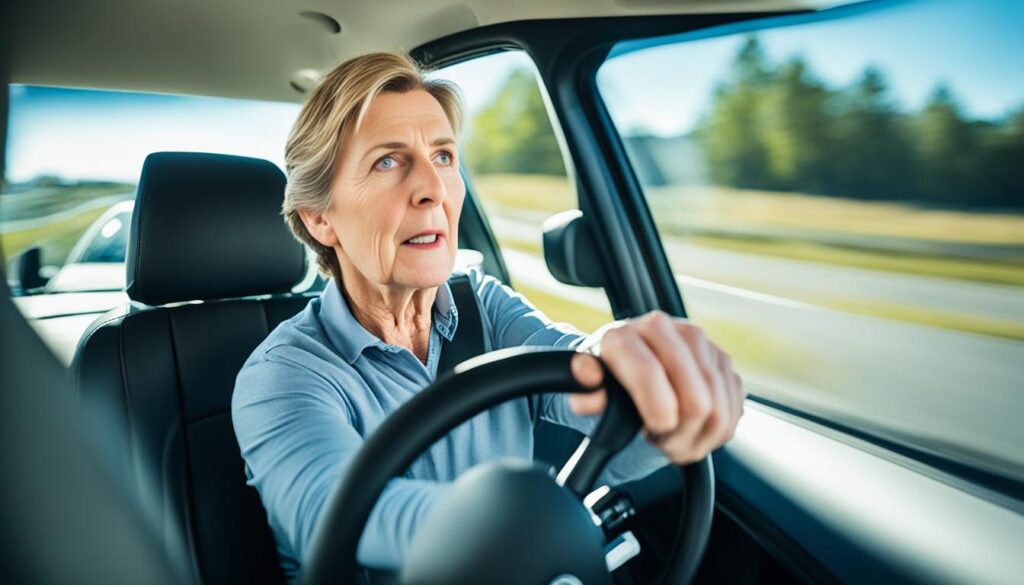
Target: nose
column 427, row 188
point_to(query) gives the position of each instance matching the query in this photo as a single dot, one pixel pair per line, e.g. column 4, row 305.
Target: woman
column 374, row 189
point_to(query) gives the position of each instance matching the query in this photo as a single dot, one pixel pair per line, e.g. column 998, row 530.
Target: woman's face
column 397, row 195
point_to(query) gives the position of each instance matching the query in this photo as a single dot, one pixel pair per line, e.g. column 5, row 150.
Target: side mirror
column 570, row 252
column 27, row 267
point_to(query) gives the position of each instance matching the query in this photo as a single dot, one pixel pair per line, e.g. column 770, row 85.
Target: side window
column 848, row 216
column 74, row 158
column 516, row 166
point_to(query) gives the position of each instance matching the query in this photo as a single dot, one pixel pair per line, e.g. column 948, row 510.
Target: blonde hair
column 334, row 111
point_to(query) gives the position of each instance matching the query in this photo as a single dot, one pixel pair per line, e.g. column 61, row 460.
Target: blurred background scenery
column 842, row 202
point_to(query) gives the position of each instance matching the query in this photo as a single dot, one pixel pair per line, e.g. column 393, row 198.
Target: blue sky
column 82, row 134
column 106, row 135
column 973, row 45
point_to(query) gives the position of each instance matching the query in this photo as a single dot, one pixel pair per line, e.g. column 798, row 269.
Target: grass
column 56, row 238
column 911, row 314
column 681, row 210
column 528, row 246
column 979, row 270
column 712, row 207
column 709, row 207
column 546, row 193
column 584, row 318
column 755, row 350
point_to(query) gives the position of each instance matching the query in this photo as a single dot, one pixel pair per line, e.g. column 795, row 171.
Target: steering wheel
column 502, row 522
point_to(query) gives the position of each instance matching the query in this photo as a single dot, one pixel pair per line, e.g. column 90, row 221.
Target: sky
column 100, row 135
column 81, row 134
column 975, row 46
column 972, row 45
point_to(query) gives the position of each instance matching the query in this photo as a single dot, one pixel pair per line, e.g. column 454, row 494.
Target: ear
column 318, row 226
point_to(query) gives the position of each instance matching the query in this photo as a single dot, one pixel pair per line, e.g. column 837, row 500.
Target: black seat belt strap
column 468, row 341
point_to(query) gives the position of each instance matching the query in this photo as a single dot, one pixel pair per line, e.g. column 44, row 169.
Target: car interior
column 120, row 462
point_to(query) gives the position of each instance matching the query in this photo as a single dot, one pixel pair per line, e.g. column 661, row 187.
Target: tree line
column 780, row 128
column 513, row 134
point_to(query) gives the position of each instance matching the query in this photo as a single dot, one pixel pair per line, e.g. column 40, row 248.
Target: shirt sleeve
column 297, row 438
column 512, row 322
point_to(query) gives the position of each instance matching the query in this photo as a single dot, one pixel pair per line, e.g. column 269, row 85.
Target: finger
column 700, row 346
column 689, row 380
column 740, row 397
column 588, row 404
column 677, row 447
column 689, row 442
column 734, row 389
column 709, row 431
column 588, row 372
column 639, row 370
column 719, row 421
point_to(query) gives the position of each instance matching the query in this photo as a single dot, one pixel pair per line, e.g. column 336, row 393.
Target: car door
column 834, row 196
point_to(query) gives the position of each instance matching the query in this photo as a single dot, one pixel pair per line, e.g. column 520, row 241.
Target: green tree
column 873, row 156
column 513, row 133
column 1004, row 162
column 731, row 134
column 797, row 130
column 946, row 151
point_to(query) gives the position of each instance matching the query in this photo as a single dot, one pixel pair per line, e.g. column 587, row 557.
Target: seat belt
column 468, row 341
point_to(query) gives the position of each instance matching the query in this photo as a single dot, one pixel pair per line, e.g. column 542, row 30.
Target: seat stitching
column 189, row 501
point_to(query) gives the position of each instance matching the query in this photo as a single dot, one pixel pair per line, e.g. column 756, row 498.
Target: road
column 818, row 283
column 957, row 393
column 18, row 225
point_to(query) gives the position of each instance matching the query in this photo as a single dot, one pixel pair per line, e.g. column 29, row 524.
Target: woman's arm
column 684, row 386
column 514, row 322
column 297, row 437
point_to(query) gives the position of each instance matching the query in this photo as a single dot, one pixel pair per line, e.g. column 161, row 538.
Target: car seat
column 206, row 228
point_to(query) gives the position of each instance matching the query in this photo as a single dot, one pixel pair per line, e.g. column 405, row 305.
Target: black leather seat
column 205, row 228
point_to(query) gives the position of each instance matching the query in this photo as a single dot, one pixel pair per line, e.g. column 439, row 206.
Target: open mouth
column 424, row 241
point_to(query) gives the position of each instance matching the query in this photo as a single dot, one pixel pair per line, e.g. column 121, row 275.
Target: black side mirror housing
column 570, row 252
column 27, row 268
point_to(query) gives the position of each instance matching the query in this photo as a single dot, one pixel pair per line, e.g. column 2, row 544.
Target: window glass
column 74, row 158
column 842, row 200
column 108, row 243
column 512, row 155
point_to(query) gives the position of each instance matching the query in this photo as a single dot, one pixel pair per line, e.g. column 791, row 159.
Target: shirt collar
column 350, row 338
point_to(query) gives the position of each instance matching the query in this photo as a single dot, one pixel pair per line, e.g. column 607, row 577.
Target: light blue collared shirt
column 320, row 383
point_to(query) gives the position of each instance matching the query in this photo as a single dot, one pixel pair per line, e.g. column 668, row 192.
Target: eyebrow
column 401, row 145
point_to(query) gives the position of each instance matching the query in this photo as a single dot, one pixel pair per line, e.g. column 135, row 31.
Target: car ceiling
column 254, row 49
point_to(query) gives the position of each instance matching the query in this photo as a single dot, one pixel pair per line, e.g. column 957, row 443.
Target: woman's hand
column 683, row 385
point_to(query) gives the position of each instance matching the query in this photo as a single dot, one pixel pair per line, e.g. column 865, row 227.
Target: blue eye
column 387, row 163
column 444, row 158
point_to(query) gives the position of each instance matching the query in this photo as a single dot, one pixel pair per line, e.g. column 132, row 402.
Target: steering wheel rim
column 485, row 382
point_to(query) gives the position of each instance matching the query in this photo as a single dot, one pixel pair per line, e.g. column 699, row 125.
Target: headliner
column 253, row 49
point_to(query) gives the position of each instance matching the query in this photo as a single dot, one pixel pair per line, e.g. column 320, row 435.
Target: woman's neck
column 397, row 315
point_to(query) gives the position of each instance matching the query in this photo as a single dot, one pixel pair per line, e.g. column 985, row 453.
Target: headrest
column 209, row 226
